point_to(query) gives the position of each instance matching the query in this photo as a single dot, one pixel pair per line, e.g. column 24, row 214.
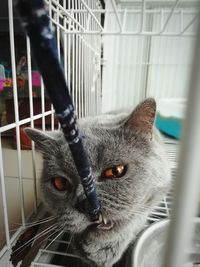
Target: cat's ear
column 43, row 140
column 142, row 118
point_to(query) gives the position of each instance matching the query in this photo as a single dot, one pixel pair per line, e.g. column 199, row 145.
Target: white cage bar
column 187, row 184
column 104, row 50
column 13, row 64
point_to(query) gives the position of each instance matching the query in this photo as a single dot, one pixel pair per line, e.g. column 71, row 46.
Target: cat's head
column 129, row 168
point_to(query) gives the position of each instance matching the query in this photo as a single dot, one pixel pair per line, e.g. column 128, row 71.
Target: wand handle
column 36, row 22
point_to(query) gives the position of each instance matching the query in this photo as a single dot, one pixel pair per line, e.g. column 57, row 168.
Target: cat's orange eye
column 114, row 172
column 59, row 183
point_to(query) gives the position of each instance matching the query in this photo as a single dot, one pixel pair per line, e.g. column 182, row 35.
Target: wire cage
column 114, row 54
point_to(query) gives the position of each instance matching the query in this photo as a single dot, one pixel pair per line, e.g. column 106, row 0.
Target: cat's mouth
column 103, row 224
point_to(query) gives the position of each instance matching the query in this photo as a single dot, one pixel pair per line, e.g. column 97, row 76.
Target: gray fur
column 110, row 140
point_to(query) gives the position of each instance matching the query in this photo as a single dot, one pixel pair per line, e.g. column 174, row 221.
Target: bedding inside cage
column 170, row 116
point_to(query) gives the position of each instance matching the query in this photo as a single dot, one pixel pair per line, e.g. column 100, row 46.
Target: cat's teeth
column 100, row 219
column 105, row 220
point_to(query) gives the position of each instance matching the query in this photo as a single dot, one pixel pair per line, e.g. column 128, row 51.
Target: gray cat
column 131, row 174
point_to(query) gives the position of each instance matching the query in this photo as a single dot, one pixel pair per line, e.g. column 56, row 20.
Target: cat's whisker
column 113, row 204
column 60, row 233
column 29, row 225
column 50, row 218
column 46, row 238
column 13, row 230
column 39, row 244
column 70, row 240
column 39, row 222
column 113, row 207
column 104, row 195
column 47, row 230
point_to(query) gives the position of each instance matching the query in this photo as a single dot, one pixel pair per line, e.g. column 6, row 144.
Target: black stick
column 37, row 25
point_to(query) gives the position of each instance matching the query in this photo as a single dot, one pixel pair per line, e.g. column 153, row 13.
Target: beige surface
column 12, row 185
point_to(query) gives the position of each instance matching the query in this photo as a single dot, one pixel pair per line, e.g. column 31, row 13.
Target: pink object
column 36, row 78
column 1, row 83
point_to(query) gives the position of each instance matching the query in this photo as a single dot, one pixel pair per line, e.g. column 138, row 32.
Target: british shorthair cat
column 131, row 174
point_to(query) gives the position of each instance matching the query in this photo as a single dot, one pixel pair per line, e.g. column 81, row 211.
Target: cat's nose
column 82, row 205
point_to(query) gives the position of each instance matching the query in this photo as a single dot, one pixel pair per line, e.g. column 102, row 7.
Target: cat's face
column 129, row 169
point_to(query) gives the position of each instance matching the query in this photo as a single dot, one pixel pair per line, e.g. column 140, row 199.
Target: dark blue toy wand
column 36, row 22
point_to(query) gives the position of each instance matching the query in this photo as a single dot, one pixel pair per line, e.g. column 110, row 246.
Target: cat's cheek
column 73, row 221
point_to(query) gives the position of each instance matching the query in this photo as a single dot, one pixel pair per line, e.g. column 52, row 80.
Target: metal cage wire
column 103, row 50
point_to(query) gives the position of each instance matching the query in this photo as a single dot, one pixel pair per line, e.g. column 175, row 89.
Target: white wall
column 13, row 189
column 139, row 66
